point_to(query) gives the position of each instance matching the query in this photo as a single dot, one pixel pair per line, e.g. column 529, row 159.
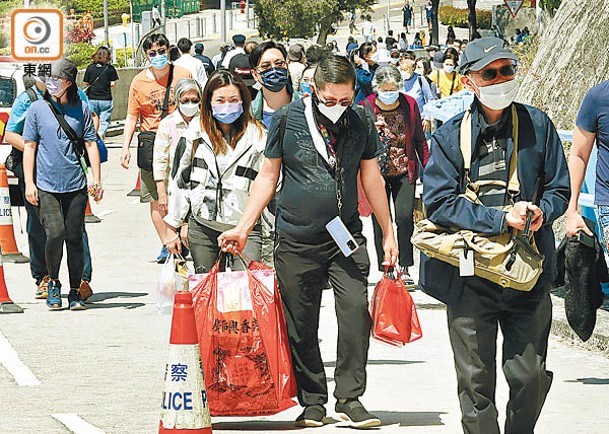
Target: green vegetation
column 80, row 53
column 450, row 16
column 303, row 18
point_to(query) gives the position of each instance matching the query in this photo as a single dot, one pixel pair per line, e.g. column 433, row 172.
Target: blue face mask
column 305, row 87
column 227, row 113
column 159, row 61
column 274, row 79
column 388, row 97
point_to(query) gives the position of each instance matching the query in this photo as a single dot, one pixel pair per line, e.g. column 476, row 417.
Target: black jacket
column 540, row 154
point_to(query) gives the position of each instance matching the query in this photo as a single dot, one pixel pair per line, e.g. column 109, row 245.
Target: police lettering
column 177, row 401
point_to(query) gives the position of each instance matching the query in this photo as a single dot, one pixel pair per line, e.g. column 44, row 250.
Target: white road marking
column 10, row 360
column 105, row 212
column 76, row 425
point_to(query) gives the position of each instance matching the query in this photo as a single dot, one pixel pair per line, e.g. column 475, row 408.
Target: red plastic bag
column 243, row 339
column 394, row 315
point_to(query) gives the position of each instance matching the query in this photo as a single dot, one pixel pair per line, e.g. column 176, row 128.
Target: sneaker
column 312, row 416
column 353, row 412
column 75, row 300
column 54, row 294
column 85, row 290
column 406, row 279
column 43, row 288
column 162, row 256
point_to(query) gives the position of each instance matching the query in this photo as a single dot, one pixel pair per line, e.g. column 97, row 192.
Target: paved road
column 106, row 364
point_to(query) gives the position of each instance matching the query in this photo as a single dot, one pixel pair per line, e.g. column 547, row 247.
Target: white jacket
column 195, row 182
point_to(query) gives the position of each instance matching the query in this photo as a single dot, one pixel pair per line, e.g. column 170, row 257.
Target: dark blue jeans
column 37, row 239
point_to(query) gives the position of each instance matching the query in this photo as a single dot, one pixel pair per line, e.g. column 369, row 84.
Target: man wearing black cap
column 238, row 42
column 476, row 306
column 207, row 63
column 240, row 65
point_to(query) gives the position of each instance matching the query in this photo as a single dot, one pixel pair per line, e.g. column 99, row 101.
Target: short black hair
column 334, row 69
column 184, row 45
column 257, row 53
column 156, row 38
column 174, row 53
column 199, row 48
column 365, row 49
column 314, row 53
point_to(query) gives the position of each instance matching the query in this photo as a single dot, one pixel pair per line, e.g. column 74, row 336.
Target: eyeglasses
column 160, row 52
column 332, row 103
column 268, row 65
column 490, row 74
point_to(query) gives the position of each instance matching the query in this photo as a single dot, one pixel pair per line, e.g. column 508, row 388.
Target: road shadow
column 113, row 305
column 102, row 296
column 410, row 418
column 379, row 362
column 256, row 425
column 590, row 380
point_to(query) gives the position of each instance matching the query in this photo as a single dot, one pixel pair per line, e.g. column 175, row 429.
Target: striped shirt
column 492, row 145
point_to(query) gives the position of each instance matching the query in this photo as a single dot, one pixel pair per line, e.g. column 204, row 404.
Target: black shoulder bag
column 145, row 139
column 77, row 142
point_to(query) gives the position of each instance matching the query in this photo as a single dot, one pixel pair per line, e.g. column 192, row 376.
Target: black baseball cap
column 240, row 65
column 480, row 52
column 198, row 47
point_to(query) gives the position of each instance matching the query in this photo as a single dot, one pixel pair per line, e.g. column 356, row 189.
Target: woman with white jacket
column 213, row 170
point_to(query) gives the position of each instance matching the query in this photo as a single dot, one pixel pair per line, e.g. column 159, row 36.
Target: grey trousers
column 473, row 322
column 303, row 271
column 203, row 243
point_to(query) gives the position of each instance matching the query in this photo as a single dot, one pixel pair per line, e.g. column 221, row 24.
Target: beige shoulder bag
column 510, row 260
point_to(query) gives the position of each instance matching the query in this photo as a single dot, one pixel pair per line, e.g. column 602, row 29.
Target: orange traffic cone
column 184, row 408
column 6, row 304
column 136, row 191
column 7, row 233
column 89, row 216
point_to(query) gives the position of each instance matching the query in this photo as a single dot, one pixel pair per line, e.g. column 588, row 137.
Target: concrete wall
column 120, row 93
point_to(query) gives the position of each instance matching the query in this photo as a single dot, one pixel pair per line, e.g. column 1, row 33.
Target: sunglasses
column 490, row 74
column 160, row 52
column 267, row 65
column 332, row 103
column 190, row 100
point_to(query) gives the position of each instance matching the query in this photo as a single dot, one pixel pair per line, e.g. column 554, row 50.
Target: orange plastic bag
column 394, row 315
column 243, row 339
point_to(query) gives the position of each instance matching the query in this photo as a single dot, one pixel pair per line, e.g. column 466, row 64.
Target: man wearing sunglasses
column 151, row 98
column 477, row 307
column 320, row 143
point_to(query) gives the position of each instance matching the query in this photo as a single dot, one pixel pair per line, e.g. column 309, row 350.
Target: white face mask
column 498, row 96
column 189, row 109
column 449, row 69
column 406, row 75
column 332, row 113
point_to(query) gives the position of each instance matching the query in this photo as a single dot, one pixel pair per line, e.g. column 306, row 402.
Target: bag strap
column 167, row 92
column 466, row 149
column 96, row 78
column 32, row 95
column 452, row 85
column 282, row 124
column 72, row 136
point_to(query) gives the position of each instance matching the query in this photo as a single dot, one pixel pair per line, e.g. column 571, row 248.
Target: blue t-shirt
column 58, row 169
column 418, row 88
column 21, row 105
column 266, row 118
column 593, row 117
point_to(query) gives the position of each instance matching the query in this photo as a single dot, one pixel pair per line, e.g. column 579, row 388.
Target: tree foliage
column 282, row 19
column 550, row 5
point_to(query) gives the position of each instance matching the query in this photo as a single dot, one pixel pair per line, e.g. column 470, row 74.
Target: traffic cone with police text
column 184, row 407
column 137, row 190
column 10, row 253
column 6, row 304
